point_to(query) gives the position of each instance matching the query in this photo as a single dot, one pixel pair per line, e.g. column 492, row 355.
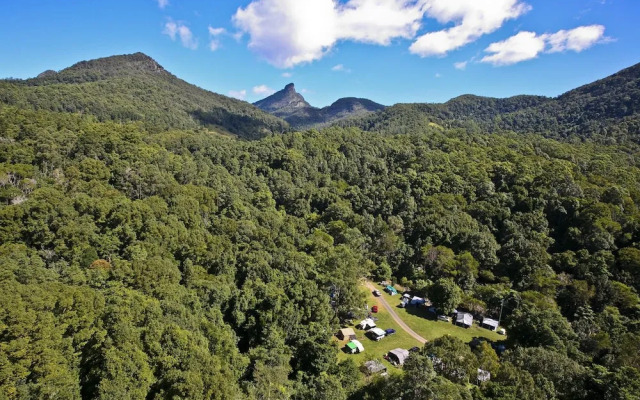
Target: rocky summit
column 293, row 108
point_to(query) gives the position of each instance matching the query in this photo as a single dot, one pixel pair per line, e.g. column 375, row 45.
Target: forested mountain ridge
column 149, row 263
column 607, row 111
column 135, row 87
column 293, row 108
column 180, row 264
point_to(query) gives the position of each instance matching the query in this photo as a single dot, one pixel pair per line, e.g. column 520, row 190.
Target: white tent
column 377, row 333
column 367, row 324
column 464, row 319
column 490, row 324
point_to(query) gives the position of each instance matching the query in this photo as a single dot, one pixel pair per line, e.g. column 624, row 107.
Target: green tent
column 355, row 346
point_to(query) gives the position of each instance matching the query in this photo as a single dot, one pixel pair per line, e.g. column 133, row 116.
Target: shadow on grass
column 421, row 311
column 345, row 349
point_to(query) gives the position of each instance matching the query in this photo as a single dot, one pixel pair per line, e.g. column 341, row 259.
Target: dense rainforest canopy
column 145, row 262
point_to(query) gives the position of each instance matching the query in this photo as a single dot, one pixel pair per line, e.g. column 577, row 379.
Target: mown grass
column 425, row 324
column 376, row 350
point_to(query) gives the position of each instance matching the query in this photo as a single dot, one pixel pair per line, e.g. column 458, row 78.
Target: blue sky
column 389, row 51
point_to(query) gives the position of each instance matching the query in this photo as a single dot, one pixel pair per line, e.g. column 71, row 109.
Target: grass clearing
column 376, row 350
column 425, row 324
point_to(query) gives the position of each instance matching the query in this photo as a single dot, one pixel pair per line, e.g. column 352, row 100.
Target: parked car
column 377, row 293
column 414, row 349
column 444, row 318
column 389, row 331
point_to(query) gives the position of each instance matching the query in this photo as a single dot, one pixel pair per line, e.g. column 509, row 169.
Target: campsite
column 416, row 316
column 375, row 350
column 426, row 324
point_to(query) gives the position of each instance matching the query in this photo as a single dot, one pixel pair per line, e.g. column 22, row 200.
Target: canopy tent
column 464, row 319
column 346, row 333
column 367, row 324
column 398, row 355
column 355, row 346
column 376, row 332
column 490, row 324
column 374, row 367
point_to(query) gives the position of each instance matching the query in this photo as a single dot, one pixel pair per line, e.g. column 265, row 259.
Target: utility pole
column 501, row 305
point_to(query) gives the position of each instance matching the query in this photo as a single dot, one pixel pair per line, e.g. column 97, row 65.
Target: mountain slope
column 293, row 108
column 607, row 110
column 135, row 87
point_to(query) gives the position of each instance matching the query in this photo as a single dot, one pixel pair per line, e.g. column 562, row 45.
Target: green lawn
column 375, row 350
column 425, row 324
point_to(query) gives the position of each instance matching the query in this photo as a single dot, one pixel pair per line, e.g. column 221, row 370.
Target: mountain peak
column 283, row 102
column 293, row 108
column 126, row 62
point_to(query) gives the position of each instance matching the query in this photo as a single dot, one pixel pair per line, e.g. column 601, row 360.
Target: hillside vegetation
column 136, row 88
column 605, row 111
column 144, row 263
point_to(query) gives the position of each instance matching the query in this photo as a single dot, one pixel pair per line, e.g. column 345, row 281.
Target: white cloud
column 461, row 65
column 216, row 31
column 528, row 45
column 238, row 94
column 288, row 32
column 214, row 42
column 163, row 3
column 178, row 29
column 287, row 74
column 577, row 39
column 291, row 32
column 340, row 68
column 263, row 90
column 472, row 19
column 521, row 47
column 238, row 35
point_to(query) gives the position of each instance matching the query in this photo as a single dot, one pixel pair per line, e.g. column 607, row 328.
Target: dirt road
column 395, row 316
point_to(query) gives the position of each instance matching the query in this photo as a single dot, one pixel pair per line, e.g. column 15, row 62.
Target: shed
column 366, row 324
column 490, row 324
column 373, row 367
column 346, row 334
column 483, row 375
column 376, row 333
column 355, row 346
column 398, row 356
column 464, row 319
